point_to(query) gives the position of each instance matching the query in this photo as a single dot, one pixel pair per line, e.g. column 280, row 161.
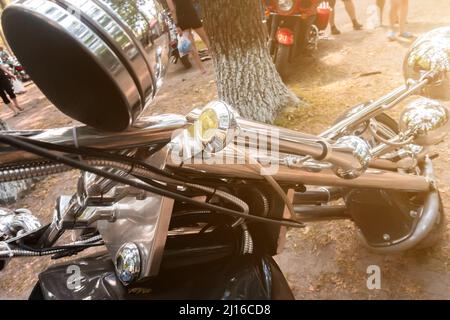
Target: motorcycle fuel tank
column 98, row 61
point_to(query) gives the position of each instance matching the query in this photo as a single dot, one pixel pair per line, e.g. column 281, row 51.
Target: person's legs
column 9, row 105
column 380, row 4
column 202, row 34
column 194, row 52
column 351, row 11
column 393, row 14
column 4, row 96
column 403, row 15
column 7, row 101
column 350, row 8
column 393, row 18
column 16, row 104
column 334, row 29
column 332, row 4
column 13, row 97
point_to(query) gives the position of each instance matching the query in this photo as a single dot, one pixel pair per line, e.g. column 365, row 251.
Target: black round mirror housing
column 99, row 61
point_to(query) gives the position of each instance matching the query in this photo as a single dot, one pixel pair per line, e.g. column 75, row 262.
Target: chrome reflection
column 128, row 263
column 118, row 37
column 128, row 40
column 146, row 20
column 13, row 223
column 427, row 120
column 431, row 53
column 216, row 126
column 147, row 131
column 90, row 40
column 361, row 157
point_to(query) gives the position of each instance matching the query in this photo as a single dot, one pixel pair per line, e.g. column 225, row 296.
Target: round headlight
column 285, row 5
column 431, row 52
column 208, row 124
column 427, row 119
column 216, row 126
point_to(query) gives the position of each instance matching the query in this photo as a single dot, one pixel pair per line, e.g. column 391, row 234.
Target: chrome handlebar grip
column 350, row 155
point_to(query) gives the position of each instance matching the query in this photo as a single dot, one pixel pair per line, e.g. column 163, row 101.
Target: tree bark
column 245, row 74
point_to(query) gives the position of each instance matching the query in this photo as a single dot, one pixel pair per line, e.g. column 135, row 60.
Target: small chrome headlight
column 216, row 126
column 285, row 5
column 427, row 119
column 210, row 130
column 128, row 263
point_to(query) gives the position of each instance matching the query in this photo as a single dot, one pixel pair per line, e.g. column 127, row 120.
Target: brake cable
column 29, row 147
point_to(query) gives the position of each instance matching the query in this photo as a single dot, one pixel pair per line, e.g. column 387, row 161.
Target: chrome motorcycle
column 195, row 206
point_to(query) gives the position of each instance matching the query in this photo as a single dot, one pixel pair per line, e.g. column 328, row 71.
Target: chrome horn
column 430, row 53
column 358, row 158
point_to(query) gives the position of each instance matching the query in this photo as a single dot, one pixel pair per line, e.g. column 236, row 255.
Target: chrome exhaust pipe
column 429, row 218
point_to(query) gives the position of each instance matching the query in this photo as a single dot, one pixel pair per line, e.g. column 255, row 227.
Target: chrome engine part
column 16, row 222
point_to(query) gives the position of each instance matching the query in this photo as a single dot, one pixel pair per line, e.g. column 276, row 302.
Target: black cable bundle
column 40, row 148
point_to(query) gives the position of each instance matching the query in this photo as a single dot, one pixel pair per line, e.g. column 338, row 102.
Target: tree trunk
column 245, row 74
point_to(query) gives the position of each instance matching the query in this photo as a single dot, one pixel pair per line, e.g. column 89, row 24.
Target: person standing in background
column 6, row 90
column 380, row 5
column 399, row 13
column 186, row 19
column 351, row 11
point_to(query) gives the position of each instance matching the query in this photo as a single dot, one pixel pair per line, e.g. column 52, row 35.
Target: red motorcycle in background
column 294, row 27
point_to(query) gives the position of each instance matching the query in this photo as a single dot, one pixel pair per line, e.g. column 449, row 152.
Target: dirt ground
column 324, row 260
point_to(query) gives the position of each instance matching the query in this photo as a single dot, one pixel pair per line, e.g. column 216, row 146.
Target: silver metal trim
column 81, row 33
column 372, row 178
column 147, row 131
column 128, row 263
column 13, row 223
column 347, row 157
column 371, row 110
